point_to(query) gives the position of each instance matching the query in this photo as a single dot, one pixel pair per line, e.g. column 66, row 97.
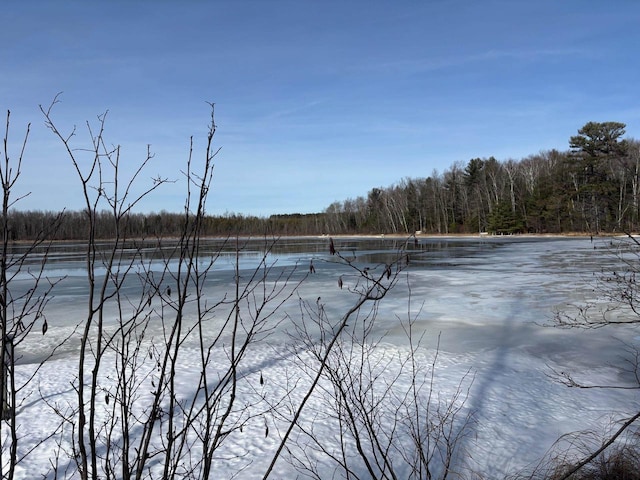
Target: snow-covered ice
column 487, row 302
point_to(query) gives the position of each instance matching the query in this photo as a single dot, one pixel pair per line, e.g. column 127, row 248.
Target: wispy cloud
column 445, row 62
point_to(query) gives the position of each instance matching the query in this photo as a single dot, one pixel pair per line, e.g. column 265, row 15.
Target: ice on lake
column 486, row 304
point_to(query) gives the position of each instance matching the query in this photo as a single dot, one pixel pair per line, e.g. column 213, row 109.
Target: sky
column 315, row 101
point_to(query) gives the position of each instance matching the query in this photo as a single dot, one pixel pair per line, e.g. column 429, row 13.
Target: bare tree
column 130, row 419
column 22, row 304
column 102, row 188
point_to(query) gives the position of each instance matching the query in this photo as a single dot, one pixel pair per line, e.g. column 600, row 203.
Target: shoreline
column 380, row 236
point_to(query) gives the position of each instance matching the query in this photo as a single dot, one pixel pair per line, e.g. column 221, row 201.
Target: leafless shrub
column 151, row 317
column 591, row 455
column 584, row 455
column 22, row 303
column 380, row 403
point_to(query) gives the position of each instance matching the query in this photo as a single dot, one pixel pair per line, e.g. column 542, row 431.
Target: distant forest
column 594, row 187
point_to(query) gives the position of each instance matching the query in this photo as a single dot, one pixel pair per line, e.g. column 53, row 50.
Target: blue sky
column 316, row 101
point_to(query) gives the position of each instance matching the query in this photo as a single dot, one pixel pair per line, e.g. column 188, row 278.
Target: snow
column 483, row 305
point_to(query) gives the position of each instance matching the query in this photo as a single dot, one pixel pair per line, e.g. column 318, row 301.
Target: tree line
column 593, row 187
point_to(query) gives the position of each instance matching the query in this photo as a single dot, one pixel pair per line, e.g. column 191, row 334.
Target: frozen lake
column 488, row 302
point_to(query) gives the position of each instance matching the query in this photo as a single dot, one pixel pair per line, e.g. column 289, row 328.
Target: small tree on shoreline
column 22, row 308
